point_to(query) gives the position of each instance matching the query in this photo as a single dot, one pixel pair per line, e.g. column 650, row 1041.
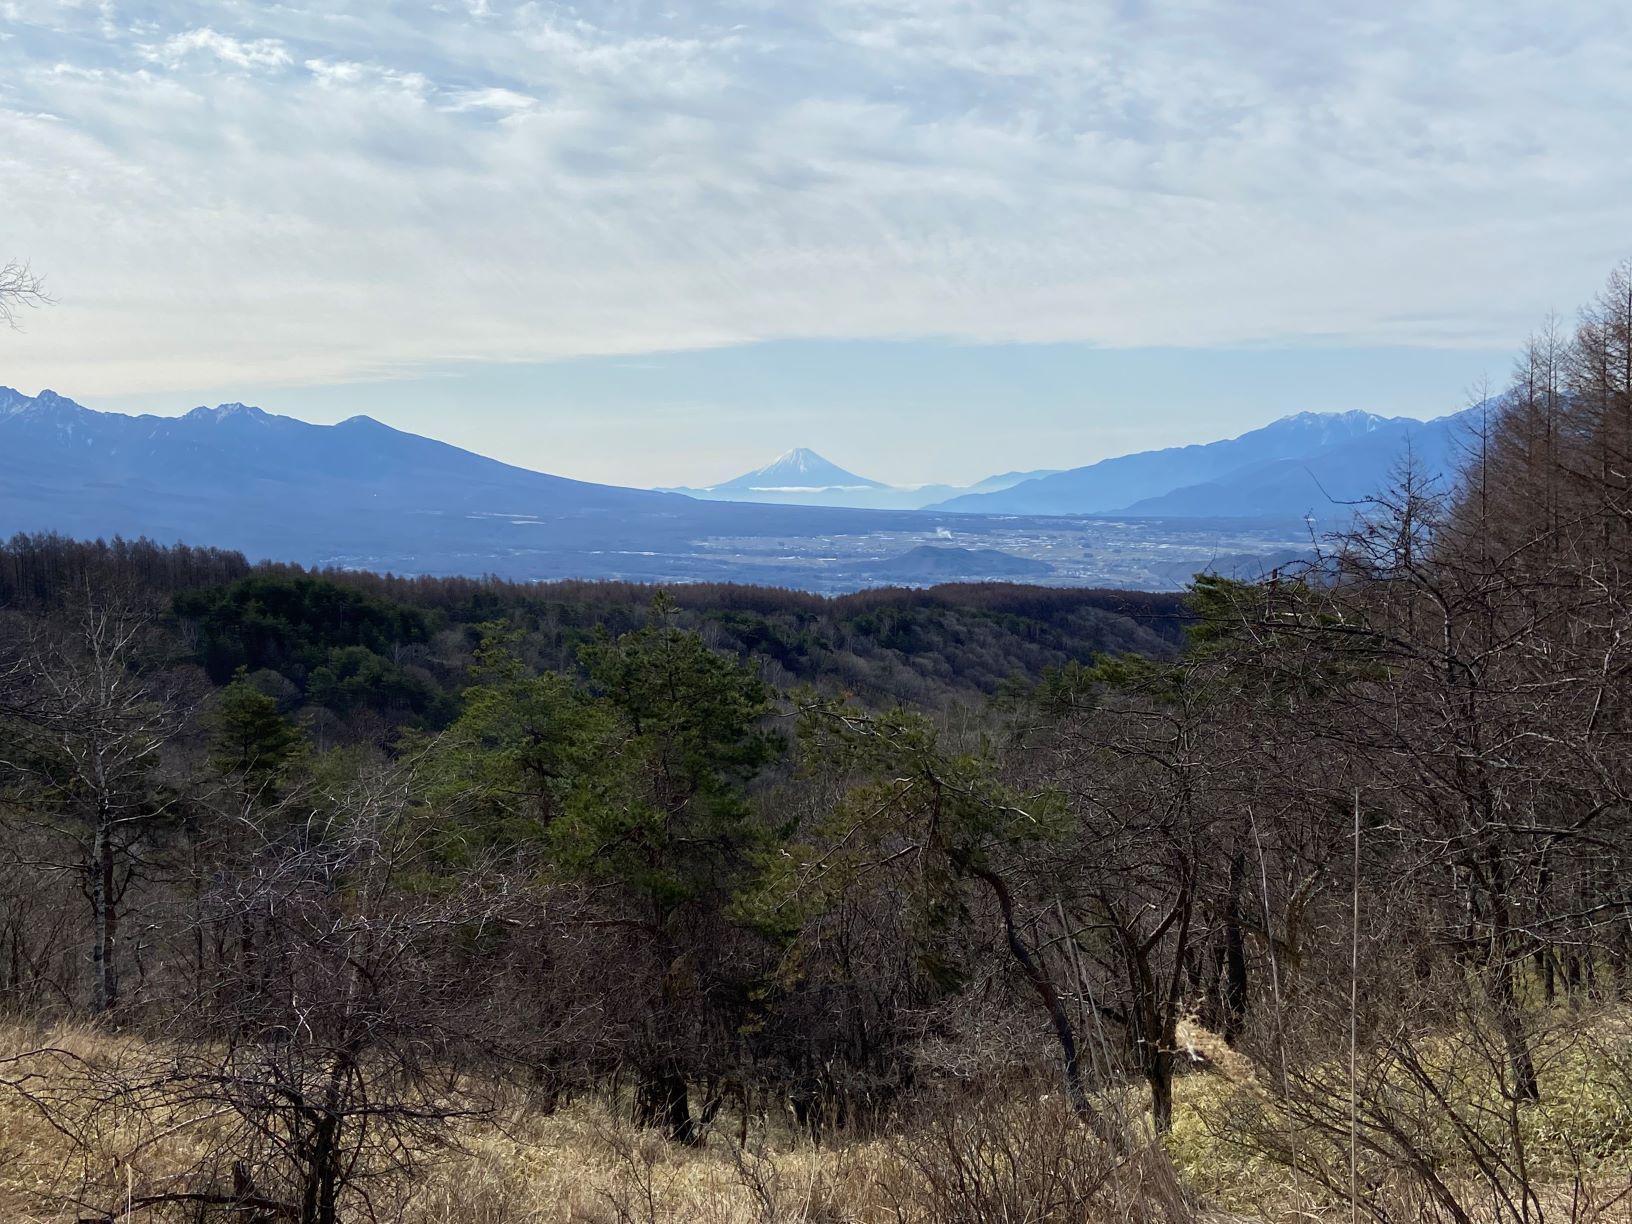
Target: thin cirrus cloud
column 227, row 192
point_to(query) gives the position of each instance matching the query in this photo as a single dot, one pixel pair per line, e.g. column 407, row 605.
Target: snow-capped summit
column 15, row 403
column 800, row 470
column 1354, row 418
column 229, row 412
column 1334, row 427
column 801, row 477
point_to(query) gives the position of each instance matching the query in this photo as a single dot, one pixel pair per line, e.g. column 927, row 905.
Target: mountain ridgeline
column 355, row 494
column 360, row 494
column 1298, row 464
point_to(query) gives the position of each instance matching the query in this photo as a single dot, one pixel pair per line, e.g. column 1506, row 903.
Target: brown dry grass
column 580, row 1165
column 56, row 1151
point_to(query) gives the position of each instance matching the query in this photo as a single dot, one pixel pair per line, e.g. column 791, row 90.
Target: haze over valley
column 359, row 494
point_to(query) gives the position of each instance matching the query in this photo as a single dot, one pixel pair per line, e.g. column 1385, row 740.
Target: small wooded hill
column 399, row 649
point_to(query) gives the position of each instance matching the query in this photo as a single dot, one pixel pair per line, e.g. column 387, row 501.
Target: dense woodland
column 1301, row 897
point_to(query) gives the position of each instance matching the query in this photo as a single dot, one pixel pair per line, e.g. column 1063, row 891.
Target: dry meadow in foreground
column 85, row 1135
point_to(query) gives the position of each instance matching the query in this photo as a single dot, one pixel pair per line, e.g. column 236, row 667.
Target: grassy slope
column 581, row 1165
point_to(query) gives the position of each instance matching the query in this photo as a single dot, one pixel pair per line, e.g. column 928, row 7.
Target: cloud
column 490, row 99
column 277, row 193
column 252, row 53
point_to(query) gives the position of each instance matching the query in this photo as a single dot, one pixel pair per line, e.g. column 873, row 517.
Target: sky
column 658, row 243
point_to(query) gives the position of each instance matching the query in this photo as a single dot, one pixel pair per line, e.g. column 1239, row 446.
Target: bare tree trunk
column 320, row 1203
column 1076, row 1092
column 1235, row 954
column 104, row 969
column 662, row 1103
column 1159, row 1075
column 1526, row 1086
column 320, row 1200
column 677, row 1109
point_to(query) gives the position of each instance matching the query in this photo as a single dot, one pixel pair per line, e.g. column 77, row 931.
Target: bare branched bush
column 1023, row 1160
column 777, row 1194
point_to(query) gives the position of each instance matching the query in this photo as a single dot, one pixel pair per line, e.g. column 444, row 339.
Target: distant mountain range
column 1303, row 464
column 358, row 493
column 1307, row 464
column 801, row 477
column 361, row 494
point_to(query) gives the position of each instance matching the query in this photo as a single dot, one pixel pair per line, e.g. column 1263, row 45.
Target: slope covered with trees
column 1306, row 899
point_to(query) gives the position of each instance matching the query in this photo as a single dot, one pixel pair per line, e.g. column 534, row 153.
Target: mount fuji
column 801, row 477
column 800, row 470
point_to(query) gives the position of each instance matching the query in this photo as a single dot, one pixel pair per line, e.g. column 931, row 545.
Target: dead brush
column 1013, row 1161
column 781, row 1191
column 639, row 1178
column 642, row 1183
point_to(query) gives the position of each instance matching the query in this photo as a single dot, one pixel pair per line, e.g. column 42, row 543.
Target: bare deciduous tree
column 92, row 717
column 20, row 289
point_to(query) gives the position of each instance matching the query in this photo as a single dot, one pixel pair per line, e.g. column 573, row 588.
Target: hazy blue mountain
column 801, row 477
column 240, row 450
column 359, row 493
column 363, row 495
column 1152, row 480
column 1007, row 480
column 1326, row 483
column 799, row 470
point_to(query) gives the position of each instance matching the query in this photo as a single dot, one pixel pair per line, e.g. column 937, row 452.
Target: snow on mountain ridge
column 798, row 470
column 15, row 403
column 231, row 412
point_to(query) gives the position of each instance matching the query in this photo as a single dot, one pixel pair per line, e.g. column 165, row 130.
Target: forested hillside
column 339, row 642
column 336, row 897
